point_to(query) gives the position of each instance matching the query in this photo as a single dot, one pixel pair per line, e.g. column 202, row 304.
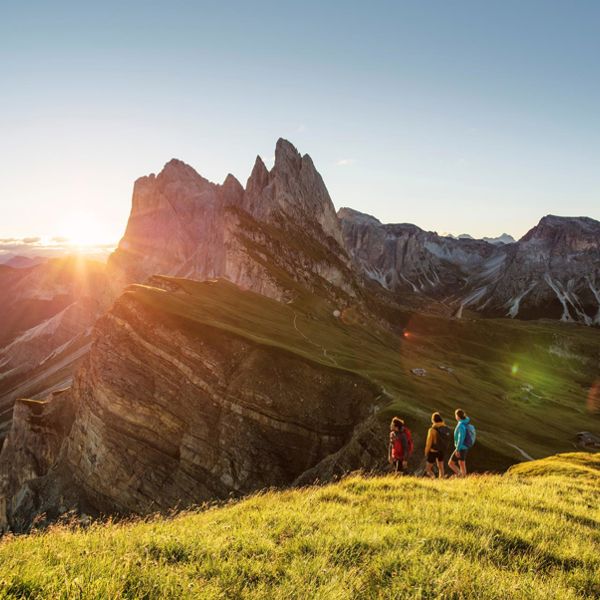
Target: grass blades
column 532, row 533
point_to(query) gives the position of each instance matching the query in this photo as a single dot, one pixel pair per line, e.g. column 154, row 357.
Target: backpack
column 398, row 452
column 470, row 435
column 444, row 437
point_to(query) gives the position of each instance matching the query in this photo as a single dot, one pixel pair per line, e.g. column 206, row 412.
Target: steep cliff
column 186, row 397
column 552, row 272
column 31, row 451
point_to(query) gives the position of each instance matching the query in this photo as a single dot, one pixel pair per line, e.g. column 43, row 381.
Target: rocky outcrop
column 552, row 272
column 178, row 225
column 367, row 450
column 172, row 411
column 278, row 233
column 30, row 451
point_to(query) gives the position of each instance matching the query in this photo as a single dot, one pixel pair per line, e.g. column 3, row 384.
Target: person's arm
column 429, row 441
column 390, row 446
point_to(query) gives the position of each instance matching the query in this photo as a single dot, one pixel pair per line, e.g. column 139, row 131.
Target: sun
column 82, row 230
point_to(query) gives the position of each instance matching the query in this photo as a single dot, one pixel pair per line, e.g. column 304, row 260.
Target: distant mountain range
column 247, row 336
column 505, row 238
column 20, row 262
column 552, row 272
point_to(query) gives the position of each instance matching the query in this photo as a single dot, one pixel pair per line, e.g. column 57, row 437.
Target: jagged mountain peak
column 231, row 191
column 293, row 188
column 231, row 181
column 259, row 178
column 182, row 224
column 286, row 154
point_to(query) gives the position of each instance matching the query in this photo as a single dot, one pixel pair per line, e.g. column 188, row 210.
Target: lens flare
column 514, row 369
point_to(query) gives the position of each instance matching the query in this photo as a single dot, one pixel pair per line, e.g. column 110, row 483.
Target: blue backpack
column 470, row 435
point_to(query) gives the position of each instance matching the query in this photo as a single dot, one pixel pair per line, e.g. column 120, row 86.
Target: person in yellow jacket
column 438, row 441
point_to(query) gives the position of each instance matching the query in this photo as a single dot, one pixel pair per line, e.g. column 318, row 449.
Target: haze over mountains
column 242, row 337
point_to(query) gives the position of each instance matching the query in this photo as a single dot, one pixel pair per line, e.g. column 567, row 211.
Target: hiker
column 436, row 446
column 464, row 438
column 400, row 446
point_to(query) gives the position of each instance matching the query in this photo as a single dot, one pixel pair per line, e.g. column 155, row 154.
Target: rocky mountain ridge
column 553, row 271
column 183, row 225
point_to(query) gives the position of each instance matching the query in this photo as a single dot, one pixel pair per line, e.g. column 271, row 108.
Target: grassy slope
column 560, row 361
column 532, row 533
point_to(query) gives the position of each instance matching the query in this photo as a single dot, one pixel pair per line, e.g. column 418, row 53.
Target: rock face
column 172, row 412
column 31, row 449
column 403, row 257
column 279, row 232
column 553, row 271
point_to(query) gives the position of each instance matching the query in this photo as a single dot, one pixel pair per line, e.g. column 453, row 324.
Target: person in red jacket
column 401, row 445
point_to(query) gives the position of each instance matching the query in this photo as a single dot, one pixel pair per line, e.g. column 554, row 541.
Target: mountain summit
column 279, row 231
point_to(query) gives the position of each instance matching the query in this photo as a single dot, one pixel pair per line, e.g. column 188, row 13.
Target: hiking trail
column 521, row 452
column 327, row 356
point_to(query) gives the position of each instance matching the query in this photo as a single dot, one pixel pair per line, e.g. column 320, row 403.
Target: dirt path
column 521, row 452
column 322, row 348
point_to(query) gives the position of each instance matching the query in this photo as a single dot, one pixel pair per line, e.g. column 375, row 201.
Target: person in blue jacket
column 463, row 440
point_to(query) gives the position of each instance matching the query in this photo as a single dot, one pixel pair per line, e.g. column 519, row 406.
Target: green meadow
column 533, row 532
column 526, row 384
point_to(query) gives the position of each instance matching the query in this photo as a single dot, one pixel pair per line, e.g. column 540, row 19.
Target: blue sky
column 476, row 117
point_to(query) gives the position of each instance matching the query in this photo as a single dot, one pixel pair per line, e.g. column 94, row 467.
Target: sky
column 477, row 117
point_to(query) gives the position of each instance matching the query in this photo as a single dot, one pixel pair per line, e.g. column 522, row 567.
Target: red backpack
column 397, row 452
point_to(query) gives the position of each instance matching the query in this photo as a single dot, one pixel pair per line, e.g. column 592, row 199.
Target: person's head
column 460, row 414
column 436, row 418
column 397, row 424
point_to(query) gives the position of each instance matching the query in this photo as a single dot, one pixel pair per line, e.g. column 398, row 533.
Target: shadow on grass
column 19, row 588
column 504, row 551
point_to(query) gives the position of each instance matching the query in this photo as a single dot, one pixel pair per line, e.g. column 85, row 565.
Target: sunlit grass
column 533, row 533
